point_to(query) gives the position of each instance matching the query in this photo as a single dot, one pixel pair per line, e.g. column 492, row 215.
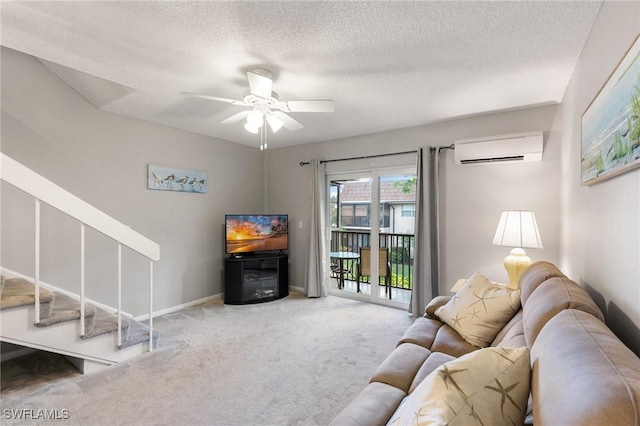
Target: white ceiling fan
column 266, row 105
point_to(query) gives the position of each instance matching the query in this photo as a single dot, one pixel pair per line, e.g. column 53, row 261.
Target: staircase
column 44, row 317
column 58, row 329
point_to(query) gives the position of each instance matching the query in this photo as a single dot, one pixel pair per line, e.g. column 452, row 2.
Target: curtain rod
column 304, row 163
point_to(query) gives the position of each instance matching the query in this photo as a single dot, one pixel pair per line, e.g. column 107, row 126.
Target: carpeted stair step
column 106, row 322
column 66, row 308
column 18, row 292
column 56, row 308
column 139, row 333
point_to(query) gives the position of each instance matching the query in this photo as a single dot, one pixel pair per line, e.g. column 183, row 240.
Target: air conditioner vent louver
column 493, row 160
column 499, row 149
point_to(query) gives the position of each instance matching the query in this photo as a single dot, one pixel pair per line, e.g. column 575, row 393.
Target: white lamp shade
column 274, row 122
column 517, row 229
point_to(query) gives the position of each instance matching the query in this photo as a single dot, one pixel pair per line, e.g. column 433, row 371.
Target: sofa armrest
column 436, row 302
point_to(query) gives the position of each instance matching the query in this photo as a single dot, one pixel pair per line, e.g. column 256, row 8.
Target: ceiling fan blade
column 260, row 85
column 213, row 98
column 289, row 123
column 236, row 117
column 324, row 105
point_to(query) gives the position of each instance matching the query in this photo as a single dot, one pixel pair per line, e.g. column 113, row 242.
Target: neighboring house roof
column 389, row 193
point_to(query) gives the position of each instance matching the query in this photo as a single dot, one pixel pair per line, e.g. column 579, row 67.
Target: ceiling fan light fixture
column 266, row 105
column 274, row 122
column 251, row 128
column 254, row 119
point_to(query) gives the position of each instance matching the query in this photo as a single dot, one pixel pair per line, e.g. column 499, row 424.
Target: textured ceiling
column 387, row 65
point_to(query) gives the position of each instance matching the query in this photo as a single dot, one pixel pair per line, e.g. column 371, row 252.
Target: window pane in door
column 333, row 205
column 361, row 215
column 397, row 197
column 346, row 213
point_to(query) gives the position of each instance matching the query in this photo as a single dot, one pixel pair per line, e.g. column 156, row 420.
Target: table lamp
column 517, row 228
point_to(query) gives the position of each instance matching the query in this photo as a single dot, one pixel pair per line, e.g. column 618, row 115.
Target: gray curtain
column 315, row 284
column 426, row 254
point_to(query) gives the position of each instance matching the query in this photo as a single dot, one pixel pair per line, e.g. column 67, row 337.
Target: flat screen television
column 246, row 234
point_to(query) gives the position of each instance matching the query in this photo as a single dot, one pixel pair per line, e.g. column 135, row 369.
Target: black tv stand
column 242, row 255
column 256, row 278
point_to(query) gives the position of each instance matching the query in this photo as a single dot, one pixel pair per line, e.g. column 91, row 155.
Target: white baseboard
column 176, row 308
column 219, row 296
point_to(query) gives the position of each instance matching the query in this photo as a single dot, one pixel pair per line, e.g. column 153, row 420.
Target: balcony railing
column 401, row 247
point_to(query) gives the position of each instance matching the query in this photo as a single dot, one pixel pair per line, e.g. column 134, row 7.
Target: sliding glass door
column 371, row 214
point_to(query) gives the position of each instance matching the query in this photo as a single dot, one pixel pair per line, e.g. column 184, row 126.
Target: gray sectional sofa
column 581, row 373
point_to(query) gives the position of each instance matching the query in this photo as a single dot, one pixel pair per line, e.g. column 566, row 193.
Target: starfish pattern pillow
column 480, row 309
column 486, row 387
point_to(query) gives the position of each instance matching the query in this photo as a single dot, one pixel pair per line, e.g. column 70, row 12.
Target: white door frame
column 374, row 175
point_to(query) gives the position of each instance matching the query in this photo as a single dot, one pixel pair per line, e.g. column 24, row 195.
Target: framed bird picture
column 164, row 178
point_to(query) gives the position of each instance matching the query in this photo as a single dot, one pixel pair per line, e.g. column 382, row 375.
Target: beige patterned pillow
column 480, row 309
column 486, row 387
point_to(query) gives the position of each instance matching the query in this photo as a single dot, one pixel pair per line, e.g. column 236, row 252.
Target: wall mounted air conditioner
column 499, row 149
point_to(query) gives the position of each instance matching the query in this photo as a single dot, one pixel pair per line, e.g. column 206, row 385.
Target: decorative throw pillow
column 486, row 387
column 480, row 309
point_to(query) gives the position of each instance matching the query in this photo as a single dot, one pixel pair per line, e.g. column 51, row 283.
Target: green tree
column 408, row 186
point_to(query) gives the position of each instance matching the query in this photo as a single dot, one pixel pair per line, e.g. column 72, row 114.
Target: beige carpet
column 294, row 361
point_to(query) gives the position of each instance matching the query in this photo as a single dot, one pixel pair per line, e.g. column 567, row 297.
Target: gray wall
column 600, row 244
column 472, row 196
column 102, row 158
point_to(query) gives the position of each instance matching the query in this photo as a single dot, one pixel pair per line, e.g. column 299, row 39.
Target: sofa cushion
column 435, row 360
column 511, row 329
column 400, row 367
column 490, row 385
column 480, row 309
column 422, row 332
column 551, row 297
column 449, row 342
column 373, row 406
column 583, row 375
column 514, row 336
column 534, row 275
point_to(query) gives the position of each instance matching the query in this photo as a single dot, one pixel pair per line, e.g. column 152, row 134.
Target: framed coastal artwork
column 611, row 123
column 171, row 179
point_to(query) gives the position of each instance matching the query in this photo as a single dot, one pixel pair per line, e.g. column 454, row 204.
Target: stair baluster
column 119, row 294
column 37, row 263
column 151, row 306
column 82, row 328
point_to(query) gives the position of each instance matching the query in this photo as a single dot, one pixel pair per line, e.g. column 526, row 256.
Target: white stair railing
column 43, row 190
